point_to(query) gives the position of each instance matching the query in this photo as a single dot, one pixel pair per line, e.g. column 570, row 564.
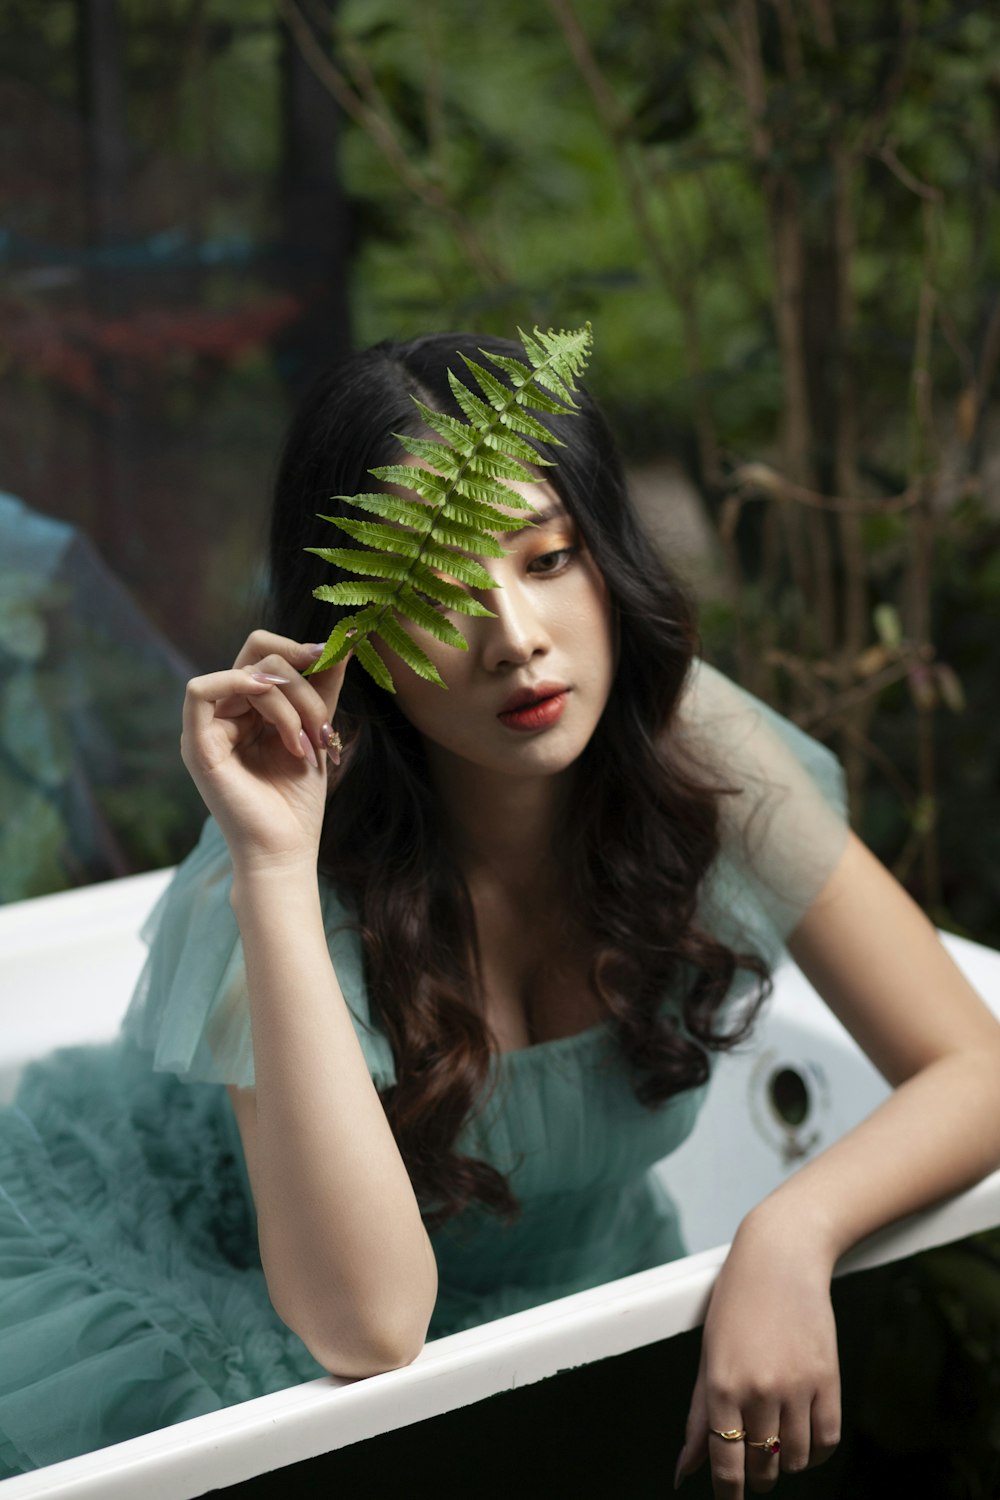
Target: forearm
column 347, row 1259
column 936, row 1134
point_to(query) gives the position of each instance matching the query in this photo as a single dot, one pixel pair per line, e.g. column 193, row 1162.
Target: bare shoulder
column 878, row 962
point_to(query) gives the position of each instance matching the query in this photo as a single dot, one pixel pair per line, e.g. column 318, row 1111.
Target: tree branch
column 361, row 101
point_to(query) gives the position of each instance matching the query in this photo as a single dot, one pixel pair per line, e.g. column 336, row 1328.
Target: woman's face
column 526, row 696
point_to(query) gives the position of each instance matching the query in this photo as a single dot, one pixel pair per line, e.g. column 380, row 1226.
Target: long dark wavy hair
column 644, row 825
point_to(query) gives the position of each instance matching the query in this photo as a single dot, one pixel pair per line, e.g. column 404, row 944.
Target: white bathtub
column 67, row 966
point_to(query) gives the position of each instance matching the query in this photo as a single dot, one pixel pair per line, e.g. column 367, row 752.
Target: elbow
column 355, row 1354
column 365, row 1333
column 359, row 1341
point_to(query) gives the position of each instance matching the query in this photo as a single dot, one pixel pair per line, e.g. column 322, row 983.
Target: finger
column 727, row 1456
column 204, row 694
column 763, row 1458
column 261, row 643
column 796, row 1438
column 695, row 1449
column 311, row 702
column 293, row 709
column 214, row 700
column 329, row 684
column 204, row 734
column 825, row 1425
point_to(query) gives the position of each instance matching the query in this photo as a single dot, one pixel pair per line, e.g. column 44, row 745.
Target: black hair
column 635, row 856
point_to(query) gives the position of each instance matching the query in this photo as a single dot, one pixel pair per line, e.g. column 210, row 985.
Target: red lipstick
column 534, row 708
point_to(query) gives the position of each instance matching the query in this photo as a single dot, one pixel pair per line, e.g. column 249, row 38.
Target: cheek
column 586, row 618
column 428, row 707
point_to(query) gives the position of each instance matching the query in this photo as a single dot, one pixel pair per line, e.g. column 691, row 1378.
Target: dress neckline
column 599, row 1029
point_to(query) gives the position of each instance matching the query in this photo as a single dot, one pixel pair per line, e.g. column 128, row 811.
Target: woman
column 463, row 986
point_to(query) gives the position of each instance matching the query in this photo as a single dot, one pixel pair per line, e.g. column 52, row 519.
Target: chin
column 548, row 754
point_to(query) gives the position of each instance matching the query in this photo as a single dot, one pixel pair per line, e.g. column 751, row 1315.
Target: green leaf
column 453, row 596
column 453, row 534
column 373, row 534
column 518, row 372
column 392, row 507
column 488, row 492
column 341, row 639
column 500, row 465
column 430, row 619
column 463, row 482
column 558, row 358
column 357, row 593
column 400, row 641
column 457, row 565
column 472, row 514
column 373, row 664
column 462, row 438
column 520, row 421
column 478, row 413
column 438, row 455
column 542, row 402
column 377, row 564
column 409, row 477
column 496, row 394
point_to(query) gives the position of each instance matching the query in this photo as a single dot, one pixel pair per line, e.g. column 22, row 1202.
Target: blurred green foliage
column 91, row 783
column 638, row 188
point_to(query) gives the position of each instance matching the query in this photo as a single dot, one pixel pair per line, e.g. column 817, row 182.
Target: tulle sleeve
column 784, row 831
column 191, row 1009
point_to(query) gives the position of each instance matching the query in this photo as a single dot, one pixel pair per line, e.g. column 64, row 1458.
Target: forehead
column 548, row 509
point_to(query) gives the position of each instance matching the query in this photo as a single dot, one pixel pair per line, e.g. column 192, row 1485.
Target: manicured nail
column 330, row 739
column 269, row 677
column 679, row 1478
column 307, row 749
column 316, row 649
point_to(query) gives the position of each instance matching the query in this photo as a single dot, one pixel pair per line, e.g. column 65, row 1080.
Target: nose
column 517, row 634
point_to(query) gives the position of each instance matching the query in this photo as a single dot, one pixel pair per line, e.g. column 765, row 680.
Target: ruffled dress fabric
column 131, row 1292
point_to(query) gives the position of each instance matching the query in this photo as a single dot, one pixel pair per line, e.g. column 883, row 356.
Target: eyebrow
column 542, row 518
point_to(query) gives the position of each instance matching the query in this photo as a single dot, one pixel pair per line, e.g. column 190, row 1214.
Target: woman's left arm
column 769, row 1354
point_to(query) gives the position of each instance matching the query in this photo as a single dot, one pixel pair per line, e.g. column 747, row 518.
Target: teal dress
column 131, row 1291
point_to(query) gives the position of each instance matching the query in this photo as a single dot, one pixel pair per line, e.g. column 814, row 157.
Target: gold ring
column 769, row 1445
column 731, row 1434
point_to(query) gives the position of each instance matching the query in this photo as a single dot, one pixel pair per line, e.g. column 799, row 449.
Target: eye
column 553, row 562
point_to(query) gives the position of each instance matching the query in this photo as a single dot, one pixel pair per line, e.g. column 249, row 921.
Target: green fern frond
column 418, row 559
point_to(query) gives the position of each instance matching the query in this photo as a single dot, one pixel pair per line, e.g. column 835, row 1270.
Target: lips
column 530, row 695
column 535, row 708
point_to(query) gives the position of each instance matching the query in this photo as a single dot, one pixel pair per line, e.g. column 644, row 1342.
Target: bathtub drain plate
column 789, row 1102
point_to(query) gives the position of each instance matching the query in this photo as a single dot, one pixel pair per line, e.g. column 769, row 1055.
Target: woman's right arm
column 348, row 1263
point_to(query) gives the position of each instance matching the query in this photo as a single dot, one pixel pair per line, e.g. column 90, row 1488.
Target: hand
column 257, row 752
column 768, row 1362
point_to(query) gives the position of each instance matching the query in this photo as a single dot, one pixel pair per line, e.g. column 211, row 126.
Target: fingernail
column 329, row 738
column 307, row 749
column 316, row 649
column 268, row 677
column 679, row 1478
column 350, row 634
